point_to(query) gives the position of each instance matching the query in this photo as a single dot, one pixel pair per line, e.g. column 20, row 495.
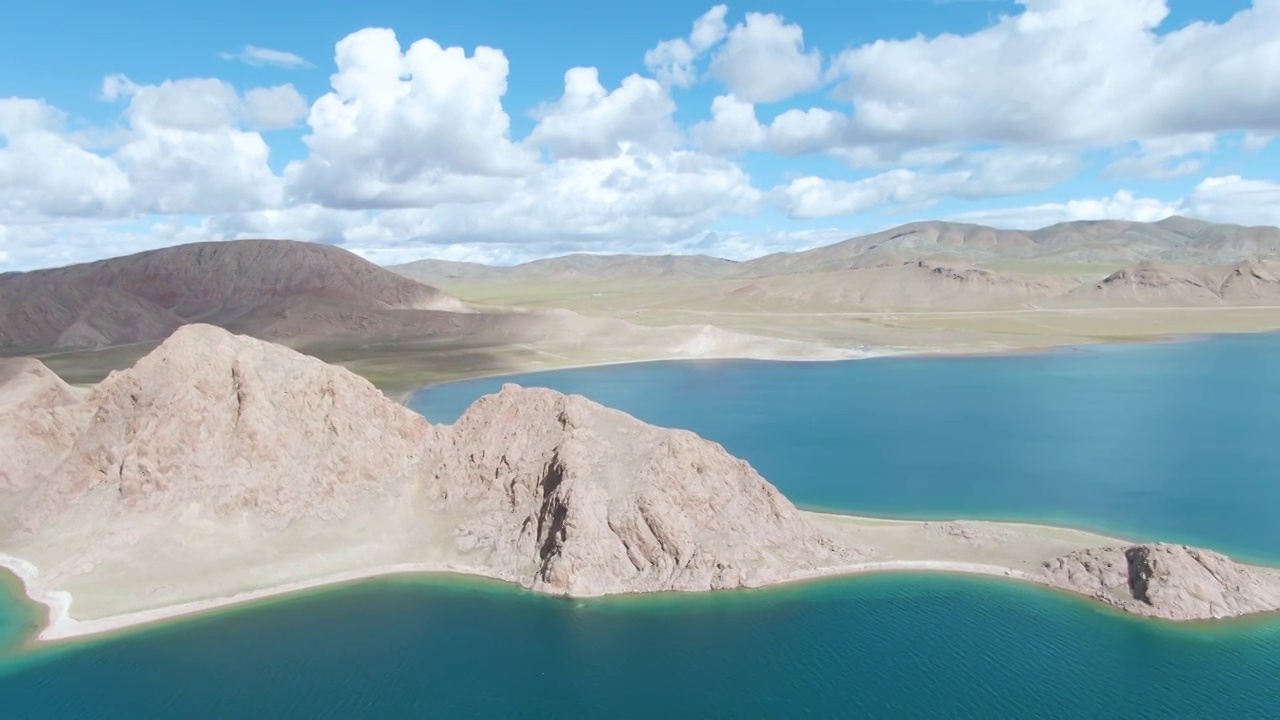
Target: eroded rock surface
column 554, row 492
column 1175, row 582
column 576, row 498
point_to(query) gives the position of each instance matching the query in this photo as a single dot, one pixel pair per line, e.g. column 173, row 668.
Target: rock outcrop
column 575, row 498
column 233, row 425
column 38, row 414
column 1174, row 582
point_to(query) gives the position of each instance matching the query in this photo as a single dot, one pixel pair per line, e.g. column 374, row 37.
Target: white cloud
column 734, row 128
column 1234, row 199
column 1123, row 205
column 274, row 108
column 672, row 61
column 196, row 105
column 1068, row 71
column 764, row 60
column 590, row 122
column 967, row 175
column 184, row 151
column 1163, row 158
column 403, row 129
column 1229, row 199
column 118, row 86
column 43, row 173
column 253, row 55
column 1253, row 142
column 636, row 195
column 813, row 197
column 995, row 173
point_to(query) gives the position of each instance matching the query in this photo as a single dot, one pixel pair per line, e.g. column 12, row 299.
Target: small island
column 222, row 468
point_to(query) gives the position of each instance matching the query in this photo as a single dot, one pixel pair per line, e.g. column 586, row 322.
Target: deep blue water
column 1166, row 441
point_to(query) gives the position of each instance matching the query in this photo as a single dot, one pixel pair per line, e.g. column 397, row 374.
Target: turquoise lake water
column 1170, row 442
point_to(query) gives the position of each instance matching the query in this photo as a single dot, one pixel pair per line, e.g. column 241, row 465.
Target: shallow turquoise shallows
column 1162, row 441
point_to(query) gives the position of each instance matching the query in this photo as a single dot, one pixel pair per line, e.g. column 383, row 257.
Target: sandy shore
column 828, row 354
column 1008, row 550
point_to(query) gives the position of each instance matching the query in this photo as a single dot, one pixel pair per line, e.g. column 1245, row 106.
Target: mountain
column 1175, row 239
column 249, row 284
column 1102, row 242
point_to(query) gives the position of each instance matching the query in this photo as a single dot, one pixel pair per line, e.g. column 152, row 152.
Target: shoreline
column 61, row 626
column 872, row 353
column 402, row 397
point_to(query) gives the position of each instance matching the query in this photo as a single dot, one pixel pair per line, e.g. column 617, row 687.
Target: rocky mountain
column 605, row 504
column 248, row 284
column 222, row 452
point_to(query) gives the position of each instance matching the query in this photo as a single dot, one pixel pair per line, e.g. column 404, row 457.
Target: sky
column 503, row 132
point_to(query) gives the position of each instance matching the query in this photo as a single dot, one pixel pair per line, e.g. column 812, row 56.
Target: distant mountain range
column 299, row 292
column 1115, row 243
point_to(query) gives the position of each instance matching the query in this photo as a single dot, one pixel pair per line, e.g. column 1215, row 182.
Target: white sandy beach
column 996, row 549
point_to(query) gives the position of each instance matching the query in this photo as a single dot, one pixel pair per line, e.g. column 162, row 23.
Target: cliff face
column 1167, row 581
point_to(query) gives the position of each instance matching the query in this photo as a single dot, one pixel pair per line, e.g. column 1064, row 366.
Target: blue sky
column 137, row 124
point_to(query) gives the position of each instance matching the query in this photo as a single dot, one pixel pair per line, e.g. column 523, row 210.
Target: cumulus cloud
column 186, row 152
column 591, row 122
column 44, row 173
column 1235, row 199
column 814, row 197
column 636, row 194
column 764, row 60
column 1068, row 71
column 672, row 61
column 734, row 128
column 254, row 55
column 409, row 128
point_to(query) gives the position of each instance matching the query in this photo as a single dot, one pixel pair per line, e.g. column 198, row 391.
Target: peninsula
column 221, row 468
